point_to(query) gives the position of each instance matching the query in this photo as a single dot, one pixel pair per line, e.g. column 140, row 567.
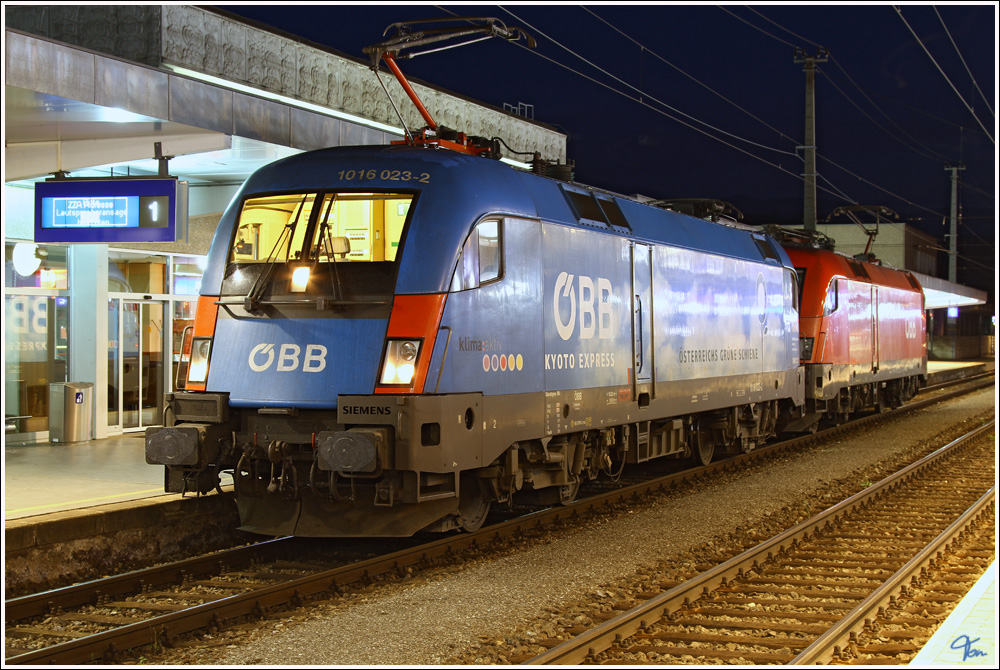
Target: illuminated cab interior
column 288, row 243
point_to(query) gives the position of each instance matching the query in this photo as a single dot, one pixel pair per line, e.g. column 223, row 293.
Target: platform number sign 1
column 107, row 210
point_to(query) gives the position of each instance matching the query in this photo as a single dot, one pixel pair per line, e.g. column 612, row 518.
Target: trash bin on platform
column 71, row 409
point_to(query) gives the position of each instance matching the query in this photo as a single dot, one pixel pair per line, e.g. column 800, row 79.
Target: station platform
column 44, row 478
column 40, row 479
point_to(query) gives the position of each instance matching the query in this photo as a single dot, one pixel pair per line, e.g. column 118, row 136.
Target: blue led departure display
column 106, row 211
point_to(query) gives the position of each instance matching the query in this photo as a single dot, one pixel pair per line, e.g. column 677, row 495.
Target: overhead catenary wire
column 977, row 190
column 778, row 25
column 969, row 229
column 961, row 58
column 929, row 115
column 637, row 90
column 837, row 192
column 876, row 186
column 819, row 154
column 848, row 98
column 686, row 74
column 899, row 12
column 833, row 190
column 660, row 111
column 759, row 29
column 850, row 79
column 937, row 156
column 642, row 102
column 854, row 83
column 922, row 151
column 964, row 258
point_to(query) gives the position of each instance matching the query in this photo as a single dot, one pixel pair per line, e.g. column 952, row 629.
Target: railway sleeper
column 753, row 657
column 682, row 637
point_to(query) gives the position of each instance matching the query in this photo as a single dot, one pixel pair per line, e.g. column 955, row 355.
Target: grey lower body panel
column 825, row 381
column 430, row 440
column 475, row 429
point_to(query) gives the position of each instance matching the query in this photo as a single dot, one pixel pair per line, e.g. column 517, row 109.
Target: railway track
column 865, row 581
column 102, row 619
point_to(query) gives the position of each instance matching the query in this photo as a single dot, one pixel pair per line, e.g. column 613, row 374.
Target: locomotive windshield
column 324, row 242
column 271, row 228
column 282, row 228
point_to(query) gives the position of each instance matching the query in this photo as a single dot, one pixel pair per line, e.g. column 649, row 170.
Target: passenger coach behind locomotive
column 390, row 339
column 864, row 342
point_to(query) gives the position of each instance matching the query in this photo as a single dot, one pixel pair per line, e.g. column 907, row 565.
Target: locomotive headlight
column 400, row 361
column 408, row 351
column 300, row 278
column 201, row 350
column 806, row 348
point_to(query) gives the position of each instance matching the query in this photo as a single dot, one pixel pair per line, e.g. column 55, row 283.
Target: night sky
column 674, row 101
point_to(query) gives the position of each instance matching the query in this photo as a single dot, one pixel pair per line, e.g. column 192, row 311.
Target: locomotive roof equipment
column 709, row 209
column 390, row 51
column 852, row 212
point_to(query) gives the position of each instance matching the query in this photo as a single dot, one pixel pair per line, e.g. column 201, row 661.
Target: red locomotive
column 862, row 330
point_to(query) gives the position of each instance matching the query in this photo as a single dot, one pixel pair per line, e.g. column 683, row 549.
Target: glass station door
column 137, row 363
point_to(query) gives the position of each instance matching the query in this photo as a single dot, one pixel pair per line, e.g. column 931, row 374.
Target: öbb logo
column 262, row 358
column 591, row 300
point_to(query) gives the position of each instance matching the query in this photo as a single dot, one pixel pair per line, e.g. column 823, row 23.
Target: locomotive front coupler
column 191, row 453
column 186, row 444
column 195, row 443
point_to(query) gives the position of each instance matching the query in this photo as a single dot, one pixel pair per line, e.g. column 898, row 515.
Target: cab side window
column 793, row 288
column 481, row 259
column 830, row 303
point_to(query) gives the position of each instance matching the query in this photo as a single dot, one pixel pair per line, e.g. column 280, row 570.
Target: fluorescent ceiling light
column 116, row 115
column 284, row 99
column 301, row 104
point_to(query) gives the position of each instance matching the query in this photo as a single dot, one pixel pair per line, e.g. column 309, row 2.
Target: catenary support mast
column 809, row 148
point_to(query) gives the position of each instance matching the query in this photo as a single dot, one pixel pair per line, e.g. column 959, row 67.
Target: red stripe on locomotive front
column 204, row 326
column 415, row 317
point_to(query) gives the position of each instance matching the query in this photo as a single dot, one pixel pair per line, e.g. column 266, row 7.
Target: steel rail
column 83, row 593
column 828, row 645
column 579, row 648
column 961, row 380
column 160, row 629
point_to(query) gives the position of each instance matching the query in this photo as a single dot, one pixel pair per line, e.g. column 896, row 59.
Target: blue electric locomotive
column 390, row 339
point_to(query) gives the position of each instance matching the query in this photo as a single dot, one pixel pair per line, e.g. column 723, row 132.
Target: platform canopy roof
column 940, row 293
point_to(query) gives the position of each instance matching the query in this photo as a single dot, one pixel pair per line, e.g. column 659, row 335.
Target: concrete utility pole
column 953, row 237
column 809, row 149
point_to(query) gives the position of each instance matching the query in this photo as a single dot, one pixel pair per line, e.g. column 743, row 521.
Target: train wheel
column 703, row 445
column 568, row 492
column 705, row 451
column 473, row 505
